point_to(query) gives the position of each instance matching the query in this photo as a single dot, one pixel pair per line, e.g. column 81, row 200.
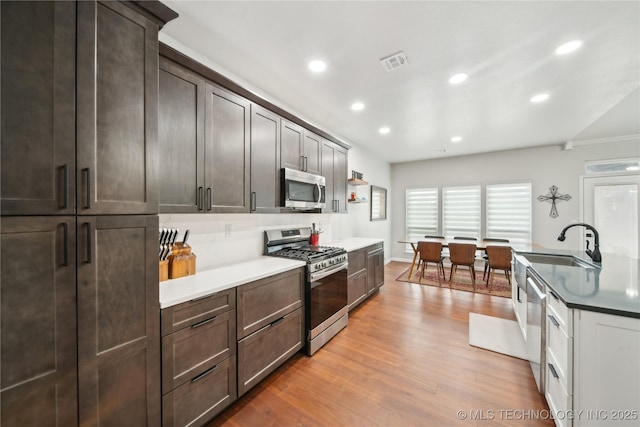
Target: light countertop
column 203, row 283
column 354, row 243
column 207, row 282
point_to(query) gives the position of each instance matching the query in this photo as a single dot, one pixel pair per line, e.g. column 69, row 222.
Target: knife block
column 164, row 270
column 182, row 262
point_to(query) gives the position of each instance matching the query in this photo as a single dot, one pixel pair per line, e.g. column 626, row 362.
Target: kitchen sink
column 567, row 260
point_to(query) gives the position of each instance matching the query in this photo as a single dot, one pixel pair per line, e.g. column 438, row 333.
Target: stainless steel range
column 326, row 282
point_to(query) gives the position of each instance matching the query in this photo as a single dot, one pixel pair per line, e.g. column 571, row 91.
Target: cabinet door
column 356, row 288
column 340, row 179
column 375, row 268
column 265, row 160
column 312, row 152
column 227, row 151
column 38, row 326
column 117, row 110
column 181, row 139
column 291, row 146
column 118, row 321
column 328, row 168
column 37, row 103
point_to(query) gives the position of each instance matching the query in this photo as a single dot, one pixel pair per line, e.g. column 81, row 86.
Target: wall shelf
column 357, row 201
column 355, row 181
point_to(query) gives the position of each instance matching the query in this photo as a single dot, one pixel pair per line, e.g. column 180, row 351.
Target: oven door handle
column 324, row 273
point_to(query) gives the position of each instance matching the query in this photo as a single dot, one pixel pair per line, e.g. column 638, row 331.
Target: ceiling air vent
column 394, row 61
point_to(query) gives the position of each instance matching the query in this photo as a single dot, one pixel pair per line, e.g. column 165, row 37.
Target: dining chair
column 431, row 252
column 499, row 259
column 484, row 256
column 463, row 254
column 430, row 237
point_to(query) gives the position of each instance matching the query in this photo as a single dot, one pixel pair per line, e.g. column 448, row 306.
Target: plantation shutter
column 422, row 213
column 509, row 212
column 461, row 214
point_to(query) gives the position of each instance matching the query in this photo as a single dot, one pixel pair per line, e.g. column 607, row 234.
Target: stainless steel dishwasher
column 536, row 327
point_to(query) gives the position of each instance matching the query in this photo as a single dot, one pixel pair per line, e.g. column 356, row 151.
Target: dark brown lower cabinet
column 375, row 267
column 265, row 350
column 357, row 277
column 197, row 401
column 198, row 359
column 270, row 325
column 38, row 324
column 118, row 321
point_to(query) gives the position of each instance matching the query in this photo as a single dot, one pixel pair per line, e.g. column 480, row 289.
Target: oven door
column 301, row 190
column 326, row 299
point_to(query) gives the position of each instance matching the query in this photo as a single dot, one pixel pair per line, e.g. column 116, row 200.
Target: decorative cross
column 553, row 197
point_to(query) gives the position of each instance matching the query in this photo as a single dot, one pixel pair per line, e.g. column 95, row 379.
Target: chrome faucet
column 595, row 255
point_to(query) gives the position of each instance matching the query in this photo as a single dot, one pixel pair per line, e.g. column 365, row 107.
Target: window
column 422, row 213
column 508, row 212
column 461, row 211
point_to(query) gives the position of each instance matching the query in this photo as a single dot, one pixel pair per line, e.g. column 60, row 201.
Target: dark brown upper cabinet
column 300, row 148
column 265, row 160
column 38, row 108
column 117, row 110
column 334, row 169
column 38, row 328
column 227, row 151
column 181, row 139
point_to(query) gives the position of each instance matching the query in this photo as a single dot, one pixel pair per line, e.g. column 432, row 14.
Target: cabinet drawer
column 356, row 288
column 197, row 401
column 191, row 351
column 262, row 352
column 375, row 248
column 263, row 301
column 558, row 399
column 561, row 312
column 560, row 348
column 195, row 311
column 357, row 261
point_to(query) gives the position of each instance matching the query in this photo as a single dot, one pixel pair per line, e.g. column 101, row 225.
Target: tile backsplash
column 222, row 239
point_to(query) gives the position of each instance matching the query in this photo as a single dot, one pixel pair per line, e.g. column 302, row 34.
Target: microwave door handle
column 319, row 192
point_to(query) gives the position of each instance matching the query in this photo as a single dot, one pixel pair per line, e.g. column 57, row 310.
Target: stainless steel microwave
column 301, row 190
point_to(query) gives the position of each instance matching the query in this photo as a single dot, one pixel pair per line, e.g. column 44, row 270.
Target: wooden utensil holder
column 164, row 270
column 182, row 262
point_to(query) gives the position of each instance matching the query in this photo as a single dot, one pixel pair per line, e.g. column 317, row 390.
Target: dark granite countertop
column 614, row 288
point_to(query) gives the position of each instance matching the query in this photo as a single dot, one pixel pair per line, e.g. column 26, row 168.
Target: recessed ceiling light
column 357, row 106
column 633, row 168
column 384, row 130
column 569, row 47
column 458, row 78
column 456, row 139
column 541, row 97
column 317, row 66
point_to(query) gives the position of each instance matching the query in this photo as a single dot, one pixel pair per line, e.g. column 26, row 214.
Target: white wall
column 543, row 167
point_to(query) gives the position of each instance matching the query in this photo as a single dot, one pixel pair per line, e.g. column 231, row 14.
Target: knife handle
column 209, row 198
column 200, row 197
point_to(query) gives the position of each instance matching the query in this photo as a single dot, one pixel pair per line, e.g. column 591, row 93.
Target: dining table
column 481, row 245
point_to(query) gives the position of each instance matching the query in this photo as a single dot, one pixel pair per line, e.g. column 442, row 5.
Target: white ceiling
column 506, row 48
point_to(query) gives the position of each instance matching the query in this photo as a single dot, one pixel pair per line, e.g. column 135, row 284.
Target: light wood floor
column 403, row 360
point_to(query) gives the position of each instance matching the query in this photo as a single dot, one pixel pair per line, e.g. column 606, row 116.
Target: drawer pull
column 554, row 295
column 553, row 371
column 204, row 374
column 553, row 320
column 203, row 322
column 275, row 322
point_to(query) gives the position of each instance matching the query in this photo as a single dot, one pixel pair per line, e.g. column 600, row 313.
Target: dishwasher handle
column 536, row 288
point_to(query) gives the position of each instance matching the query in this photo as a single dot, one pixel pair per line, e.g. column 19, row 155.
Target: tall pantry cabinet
column 79, row 338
